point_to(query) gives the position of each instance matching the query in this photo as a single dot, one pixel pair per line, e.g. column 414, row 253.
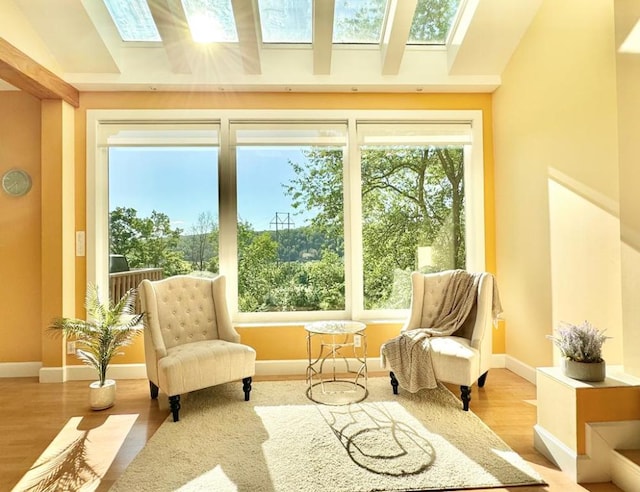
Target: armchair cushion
column 197, row 365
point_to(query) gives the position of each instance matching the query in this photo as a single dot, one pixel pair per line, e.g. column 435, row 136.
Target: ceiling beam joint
column 28, row 75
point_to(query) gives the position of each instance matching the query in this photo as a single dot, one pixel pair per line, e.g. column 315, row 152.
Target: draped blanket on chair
column 409, row 354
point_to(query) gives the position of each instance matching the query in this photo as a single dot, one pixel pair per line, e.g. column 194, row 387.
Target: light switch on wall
column 79, row 243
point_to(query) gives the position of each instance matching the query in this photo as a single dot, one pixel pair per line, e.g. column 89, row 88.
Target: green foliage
column 366, row 22
column 431, row 24
column 433, row 19
column 148, row 242
column 580, row 343
column 411, row 197
column 124, row 236
column 265, row 283
column 110, row 327
column 318, row 188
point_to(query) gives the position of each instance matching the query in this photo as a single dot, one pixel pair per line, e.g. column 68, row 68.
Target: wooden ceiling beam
column 28, row 75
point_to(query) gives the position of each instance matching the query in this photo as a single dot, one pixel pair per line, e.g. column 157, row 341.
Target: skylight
column 289, row 21
column 432, row 21
column 210, row 21
column 133, row 20
column 358, row 21
column 285, row 21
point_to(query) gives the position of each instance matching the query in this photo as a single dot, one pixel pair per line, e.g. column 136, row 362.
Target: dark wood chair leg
column 394, row 382
column 174, row 403
column 465, row 394
column 246, row 386
column 153, row 389
column 482, row 379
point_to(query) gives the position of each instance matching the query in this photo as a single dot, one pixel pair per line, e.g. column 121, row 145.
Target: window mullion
column 228, row 206
column 353, row 234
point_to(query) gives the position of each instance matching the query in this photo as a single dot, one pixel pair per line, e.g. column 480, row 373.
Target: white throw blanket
column 409, row 354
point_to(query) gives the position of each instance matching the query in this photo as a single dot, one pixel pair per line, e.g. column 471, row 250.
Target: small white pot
column 101, row 397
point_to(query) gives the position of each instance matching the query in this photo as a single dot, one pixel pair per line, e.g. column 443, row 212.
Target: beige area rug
column 280, row 441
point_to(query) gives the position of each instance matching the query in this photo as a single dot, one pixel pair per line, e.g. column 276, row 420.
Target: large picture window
column 310, row 214
column 413, row 206
column 290, row 242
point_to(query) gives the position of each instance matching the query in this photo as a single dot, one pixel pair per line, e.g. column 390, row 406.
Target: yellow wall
column 278, row 342
column 20, row 246
column 556, row 179
column 627, row 12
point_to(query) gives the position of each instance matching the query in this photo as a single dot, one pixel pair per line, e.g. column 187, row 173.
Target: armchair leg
column 246, row 386
column 465, row 394
column 394, row 382
column 174, row 403
column 153, row 389
column 482, row 379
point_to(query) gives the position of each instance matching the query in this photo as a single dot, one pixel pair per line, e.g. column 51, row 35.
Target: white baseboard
column 87, row 373
column 293, row 367
column 555, row 451
column 52, row 375
column 19, row 369
column 298, row 367
column 521, row 369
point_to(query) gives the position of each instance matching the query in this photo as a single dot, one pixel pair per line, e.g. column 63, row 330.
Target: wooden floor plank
column 34, row 415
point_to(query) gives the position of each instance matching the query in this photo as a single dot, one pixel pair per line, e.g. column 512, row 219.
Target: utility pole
column 281, row 221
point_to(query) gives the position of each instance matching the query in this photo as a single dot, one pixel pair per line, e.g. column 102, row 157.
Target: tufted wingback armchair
column 189, row 340
column 463, row 357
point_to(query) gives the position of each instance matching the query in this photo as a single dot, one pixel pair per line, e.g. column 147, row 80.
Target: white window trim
column 97, row 196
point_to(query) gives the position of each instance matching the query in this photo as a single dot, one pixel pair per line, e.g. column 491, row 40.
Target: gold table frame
column 335, row 338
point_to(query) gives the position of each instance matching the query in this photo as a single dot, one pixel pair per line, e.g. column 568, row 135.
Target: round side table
column 337, row 375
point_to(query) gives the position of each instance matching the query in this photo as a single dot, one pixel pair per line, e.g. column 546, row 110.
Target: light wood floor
column 35, row 414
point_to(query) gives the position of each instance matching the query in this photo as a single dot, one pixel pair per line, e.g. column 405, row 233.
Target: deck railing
column 121, row 282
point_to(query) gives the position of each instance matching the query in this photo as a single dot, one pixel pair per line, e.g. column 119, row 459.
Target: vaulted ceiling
column 78, row 41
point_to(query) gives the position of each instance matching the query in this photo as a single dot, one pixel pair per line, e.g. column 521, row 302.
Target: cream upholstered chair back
column 190, row 309
column 189, row 340
column 423, row 288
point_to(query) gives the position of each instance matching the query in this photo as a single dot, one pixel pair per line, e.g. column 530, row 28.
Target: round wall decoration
column 16, row 182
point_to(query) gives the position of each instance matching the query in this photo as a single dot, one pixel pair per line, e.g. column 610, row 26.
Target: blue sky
column 183, row 183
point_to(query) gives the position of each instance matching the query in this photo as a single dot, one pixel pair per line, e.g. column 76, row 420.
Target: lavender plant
column 581, row 343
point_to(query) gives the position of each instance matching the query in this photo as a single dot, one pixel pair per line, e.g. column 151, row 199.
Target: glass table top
column 335, row 327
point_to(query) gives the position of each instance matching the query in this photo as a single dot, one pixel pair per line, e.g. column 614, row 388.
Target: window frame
column 97, row 195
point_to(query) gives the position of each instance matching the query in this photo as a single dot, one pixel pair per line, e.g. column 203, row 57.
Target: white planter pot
column 101, row 397
column 584, row 371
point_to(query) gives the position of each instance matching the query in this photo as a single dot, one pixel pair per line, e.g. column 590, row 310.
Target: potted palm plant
column 581, row 349
column 109, row 327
